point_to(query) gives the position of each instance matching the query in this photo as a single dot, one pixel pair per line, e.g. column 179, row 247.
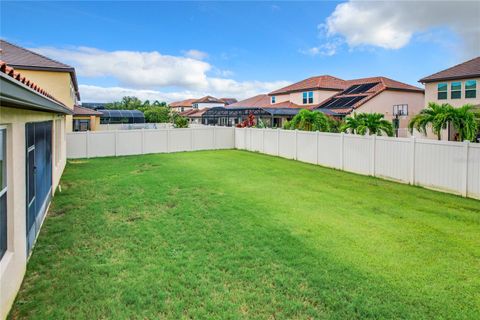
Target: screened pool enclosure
column 121, row 116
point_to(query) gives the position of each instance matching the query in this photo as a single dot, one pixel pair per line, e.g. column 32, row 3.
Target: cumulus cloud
column 133, row 68
column 393, row 24
column 152, row 75
column 195, row 54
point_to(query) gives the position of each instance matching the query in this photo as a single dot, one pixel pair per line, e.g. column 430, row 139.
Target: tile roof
column 209, row 99
column 9, row 71
column 262, row 101
column 81, row 111
column 325, row 82
column 229, row 100
column 467, row 69
column 194, row 113
column 22, row 58
column 183, row 103
column 345, row 102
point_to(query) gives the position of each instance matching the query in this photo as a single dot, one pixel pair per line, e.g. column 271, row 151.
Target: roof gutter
column 469, row 76
column 17, row 95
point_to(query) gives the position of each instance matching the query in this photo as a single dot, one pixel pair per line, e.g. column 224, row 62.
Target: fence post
column 412, row 160
column 250, row 130
column 278, row 142
column 373, row 145
column 214, row 138
column 244, row 138
column 464, row 191
column 316, row 147
column 191, row 139
column 168, row 140
column 342, row 151
column 296, row 144
column 87, row 144
column 143, row 141
column 116, row 142
column 263, row 140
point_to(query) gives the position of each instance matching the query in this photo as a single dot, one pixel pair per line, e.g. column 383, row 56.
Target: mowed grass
column 232, row 234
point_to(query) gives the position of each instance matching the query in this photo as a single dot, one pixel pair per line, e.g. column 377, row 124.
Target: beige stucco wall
column 297, row 97
column 13, row 263
column 94, row 121
column 384, row 102
column 58, row 84
column 431, row 93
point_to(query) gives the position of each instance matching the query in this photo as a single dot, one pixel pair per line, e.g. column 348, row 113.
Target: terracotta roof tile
column 182, row 103
column 325, row 82
column 467, row 69
column 209, row 99
column 262, row 101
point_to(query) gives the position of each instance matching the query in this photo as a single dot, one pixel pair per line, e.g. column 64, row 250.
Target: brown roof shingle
column 183, row 103
column 81, row 111
column 467, row 69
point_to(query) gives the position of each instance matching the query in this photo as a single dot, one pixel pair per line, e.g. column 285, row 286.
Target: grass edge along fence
column 452, row 167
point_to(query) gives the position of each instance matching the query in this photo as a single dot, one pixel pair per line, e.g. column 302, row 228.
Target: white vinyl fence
column 449, row 166
column 130, row 142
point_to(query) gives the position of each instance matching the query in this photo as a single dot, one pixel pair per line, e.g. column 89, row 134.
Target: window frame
column 4, row 192
column 307, row 97
column 273, row 99
column 469, row 90
column 403, row 107
column 456, row 91
column 442, row 91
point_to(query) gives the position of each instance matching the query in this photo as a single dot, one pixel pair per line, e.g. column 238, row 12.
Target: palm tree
column 435, row 115
column 465, row 123
column 373, row 123
column 308, row 120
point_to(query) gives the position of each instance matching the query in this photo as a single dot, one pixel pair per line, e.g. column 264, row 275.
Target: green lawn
column 232, row 234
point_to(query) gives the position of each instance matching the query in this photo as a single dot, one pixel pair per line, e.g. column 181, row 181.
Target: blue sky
column 173, row 50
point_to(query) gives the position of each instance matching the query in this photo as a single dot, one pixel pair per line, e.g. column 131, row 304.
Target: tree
column 308, row 120
column 465, row 123
column 373, row 123
column 179, row 121
column 435, row 115
column 157, row 114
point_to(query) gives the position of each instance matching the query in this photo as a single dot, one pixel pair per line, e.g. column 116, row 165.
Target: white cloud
column 153, row 76
column 195, row 54
column 133, row 68
column 328, row 48
column 392, row 24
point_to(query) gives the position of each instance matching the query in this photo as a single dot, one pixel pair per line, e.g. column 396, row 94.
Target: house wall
column 383, row 103
column 13, row 263
column 94, row 121
column 297, row 97
column 58, row 84
column 431, row 94
column 179, row 109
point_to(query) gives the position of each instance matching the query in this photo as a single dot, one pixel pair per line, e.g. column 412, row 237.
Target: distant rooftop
column 467, row 69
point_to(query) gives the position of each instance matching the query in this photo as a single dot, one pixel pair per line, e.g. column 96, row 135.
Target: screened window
column 273, row 99
column 456, row 90
column 3, row 192
column 81, row 125
column 400, row 109
column 442, row 91
column 308, row 97
column 471, row 89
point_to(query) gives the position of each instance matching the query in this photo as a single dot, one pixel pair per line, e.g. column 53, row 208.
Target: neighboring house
column 121, row 116
column 194, row 115
column 85, row 119
column 55, row 77
column 32, row 159
column 207, row 102
column 228, row 100
column 94, row 105
column 395, row 100
column 310, row 91
column 457, row 86
column 181, row 106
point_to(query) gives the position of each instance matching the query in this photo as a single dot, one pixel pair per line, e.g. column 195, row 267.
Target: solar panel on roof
column 360, row 88
column 342, row 102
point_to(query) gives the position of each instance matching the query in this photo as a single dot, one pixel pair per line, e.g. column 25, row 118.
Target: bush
column 179, row 121
column 157, row 115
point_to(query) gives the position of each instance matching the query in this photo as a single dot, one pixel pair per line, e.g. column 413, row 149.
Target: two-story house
column 57, row 78
column 457, row 86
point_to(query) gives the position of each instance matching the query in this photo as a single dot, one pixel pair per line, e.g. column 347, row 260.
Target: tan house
column 55, row 77
column 397, row 101
column 182, row 106
column 457, row 86
column 32, row 158
column 85, row 119
column 201, row 103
